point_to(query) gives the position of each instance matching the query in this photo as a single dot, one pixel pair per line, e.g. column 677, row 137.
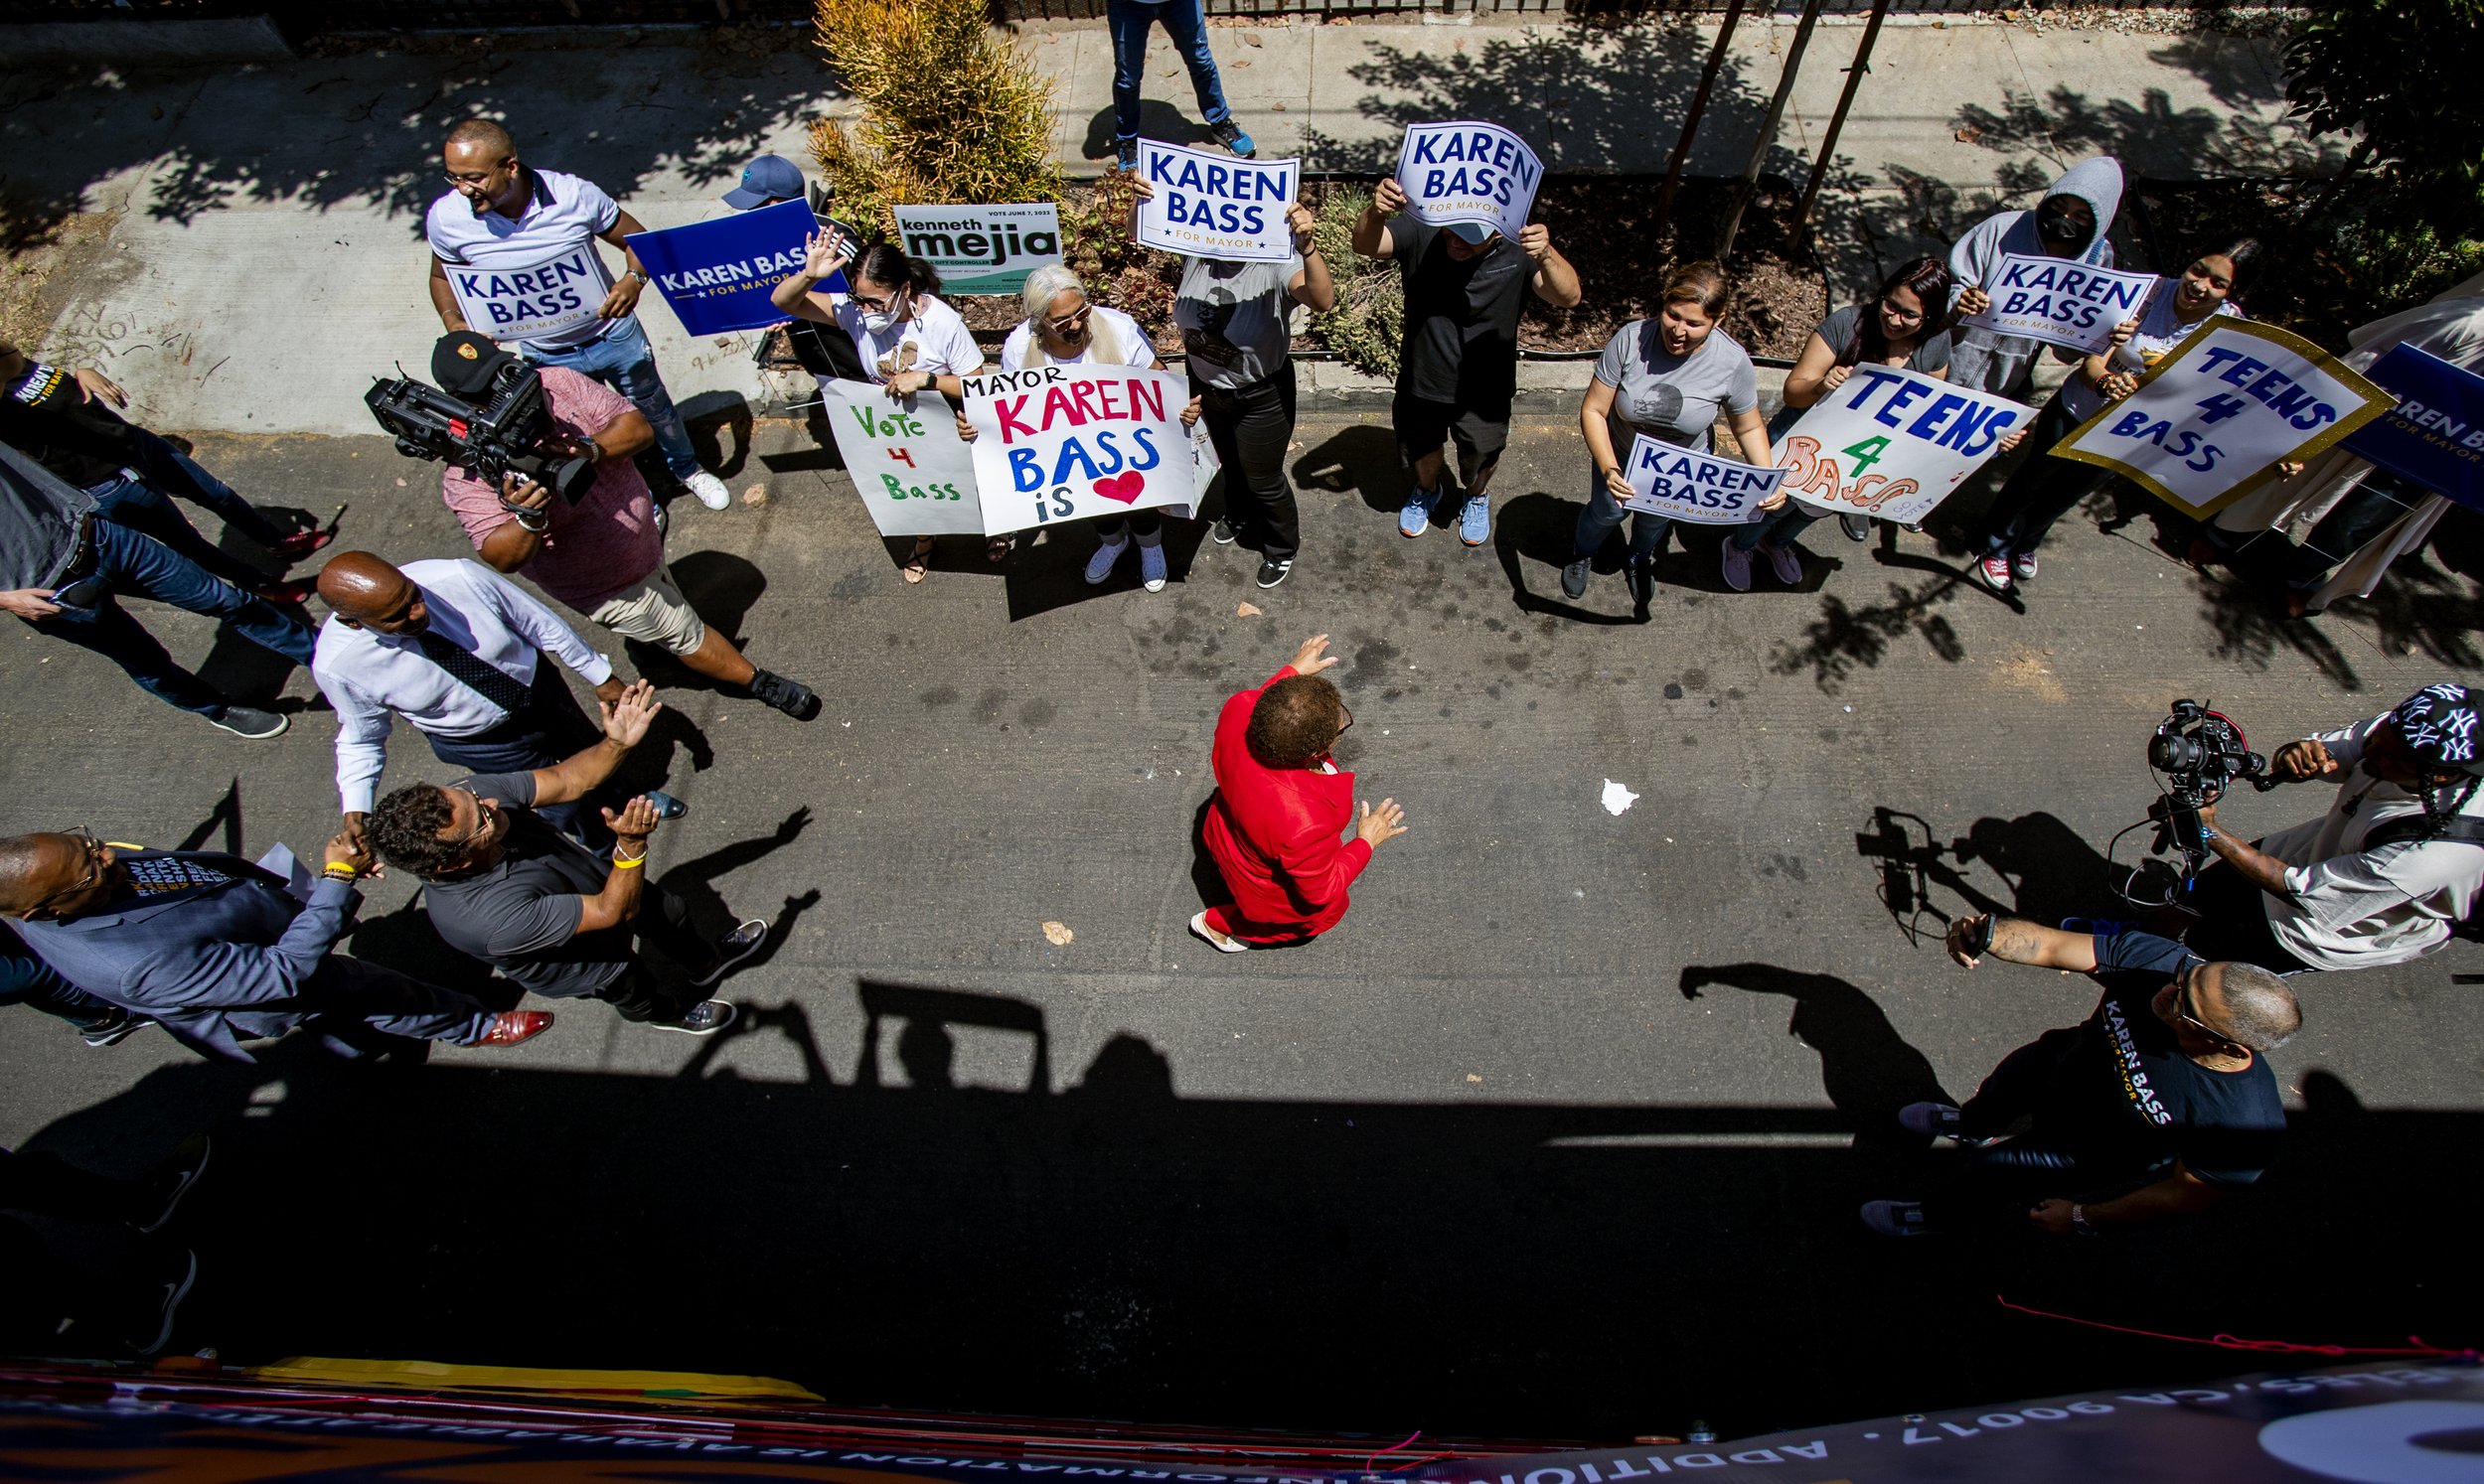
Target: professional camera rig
column 511, row 433
column 2197, row 753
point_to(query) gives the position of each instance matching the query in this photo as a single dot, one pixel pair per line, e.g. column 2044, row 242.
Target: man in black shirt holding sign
column 2159, row 1104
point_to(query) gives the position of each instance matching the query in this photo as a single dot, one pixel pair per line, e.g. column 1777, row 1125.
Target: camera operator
column 2386, row 876
column 602, row 555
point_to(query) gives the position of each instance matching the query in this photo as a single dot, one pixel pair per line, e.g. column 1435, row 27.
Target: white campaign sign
column 1215, row 206
column 1893, row 444
column 2211, row 420
column 2061, row 303
column 560, row 293
column 1469, row 172
column 1064, row 442
column 1667, row 479
column 916, row 475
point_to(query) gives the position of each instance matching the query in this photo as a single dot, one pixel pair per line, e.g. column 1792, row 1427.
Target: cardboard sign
column 2434, row 436
column 718, row 275
column 2210, row 423
column 1215, row 206
column 1667, row 479
column 916, row 475
column 1064, row 442
column 982, row 250
column 559, row 294
column 1892, row 444
column 1469, row 172
column 2060, row 302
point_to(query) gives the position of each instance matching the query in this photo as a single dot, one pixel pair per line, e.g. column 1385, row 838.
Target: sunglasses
column 485, row 811
column 1072, row 321
column 2184, row 1010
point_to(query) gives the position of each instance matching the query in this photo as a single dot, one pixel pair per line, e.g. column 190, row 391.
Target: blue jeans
column 142, row 507
column 1604, row 513
column 624, row 362
column 133, row 564
column 175, row 472
column 1185, row 21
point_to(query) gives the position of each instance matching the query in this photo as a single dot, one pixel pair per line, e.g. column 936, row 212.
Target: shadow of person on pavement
column 1868, row 1070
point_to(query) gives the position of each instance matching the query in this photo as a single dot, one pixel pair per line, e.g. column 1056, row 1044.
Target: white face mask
column 879, row 322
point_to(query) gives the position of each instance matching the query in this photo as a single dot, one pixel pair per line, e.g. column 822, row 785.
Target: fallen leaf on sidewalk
column 1276, row 107
column 1248, row 611
column 1470, row 1077
column 1241, row 61
column 755, row 495
column 1059, row 933
column 1970, row 134
column 1250, row 38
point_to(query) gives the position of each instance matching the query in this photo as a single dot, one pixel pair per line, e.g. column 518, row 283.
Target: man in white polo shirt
column 529, row 236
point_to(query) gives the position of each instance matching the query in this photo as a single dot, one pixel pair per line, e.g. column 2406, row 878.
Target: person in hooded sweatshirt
column 2071, row 222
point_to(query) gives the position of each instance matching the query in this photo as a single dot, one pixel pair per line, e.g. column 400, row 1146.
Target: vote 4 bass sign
column 916, row 475
column 1892, row 444
column 1667, row 479
column 1062, row 442
column 2210, row 423
column 1215, row 206
column 1469, row 172
column 2061, row 303
column 550, row 297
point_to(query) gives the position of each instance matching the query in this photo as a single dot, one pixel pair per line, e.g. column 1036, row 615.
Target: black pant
column 660, row 988
column 2232, row 926
column 2040, row 492
column 548, row 729
column 1997, row 1186
column 1251, row 426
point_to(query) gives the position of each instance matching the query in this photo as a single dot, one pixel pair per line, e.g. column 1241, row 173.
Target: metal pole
column 1698, row 106
column 1837, row 120
column 1768, row 129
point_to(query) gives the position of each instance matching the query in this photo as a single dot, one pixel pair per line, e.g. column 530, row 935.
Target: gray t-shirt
column 522, row 916
column 1232, row 318
column 1673, row 398
column 1931, row 354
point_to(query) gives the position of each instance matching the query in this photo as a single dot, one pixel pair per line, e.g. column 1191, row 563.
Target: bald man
column 457, row 650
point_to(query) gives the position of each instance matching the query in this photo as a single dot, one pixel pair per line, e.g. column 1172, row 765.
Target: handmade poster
column 1469, row 172
column 1667, row 479
column 1215, row 206
column 550, row 297
column 1065, row 443
column 1892, row 444
column 717, row 274
column 982, row 250
column 2210, row 423
column 916, row 475
column 2434, row 436
column 2060, row 302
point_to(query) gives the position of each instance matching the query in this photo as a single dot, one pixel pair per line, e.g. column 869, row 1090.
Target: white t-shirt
column 1113, row 338
column 2159, row 332
column 2353, row 910
column 942, row 343
column 564, row 212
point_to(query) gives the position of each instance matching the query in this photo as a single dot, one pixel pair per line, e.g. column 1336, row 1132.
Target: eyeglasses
column 485, row 811
column 1348, row 724
column 90, row 876
column 1890, row 308
column 475, row 177
column 2182, row 1005
column 886, row 305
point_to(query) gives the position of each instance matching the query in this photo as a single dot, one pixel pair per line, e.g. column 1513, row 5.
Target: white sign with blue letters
column 562, row 293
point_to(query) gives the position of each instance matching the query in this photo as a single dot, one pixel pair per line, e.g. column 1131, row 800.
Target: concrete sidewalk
column 258, row 257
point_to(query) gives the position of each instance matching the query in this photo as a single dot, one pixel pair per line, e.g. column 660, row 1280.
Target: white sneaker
column 709, row 489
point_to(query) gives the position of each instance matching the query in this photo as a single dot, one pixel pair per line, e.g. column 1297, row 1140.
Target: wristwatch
column 634, row 273
column 2079, row 1220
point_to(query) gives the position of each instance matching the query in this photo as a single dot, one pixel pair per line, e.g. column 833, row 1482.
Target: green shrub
column 1371, row 315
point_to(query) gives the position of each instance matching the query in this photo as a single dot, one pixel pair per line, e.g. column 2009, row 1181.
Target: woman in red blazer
column 1280, row 807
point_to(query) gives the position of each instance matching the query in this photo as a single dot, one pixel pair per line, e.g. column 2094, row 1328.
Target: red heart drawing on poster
column 1123, row 487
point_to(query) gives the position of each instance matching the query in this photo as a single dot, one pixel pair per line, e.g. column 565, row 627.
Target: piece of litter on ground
column 1577, row 892
column 1617, row 797
column 1059, row 933
column 845, row 723
column 1470, row 1077
column 756, row 495
column 1850, row 709
column 1248, row 610
column 401, row 484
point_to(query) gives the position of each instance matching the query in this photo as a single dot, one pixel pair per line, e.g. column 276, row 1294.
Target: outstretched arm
column 2018, row 941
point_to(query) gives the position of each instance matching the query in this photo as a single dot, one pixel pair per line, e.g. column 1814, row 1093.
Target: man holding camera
column 513, row 218
column 2386, row 876
column 602, row 554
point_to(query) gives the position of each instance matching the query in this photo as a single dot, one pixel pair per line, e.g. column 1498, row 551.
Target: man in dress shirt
column 458, row 651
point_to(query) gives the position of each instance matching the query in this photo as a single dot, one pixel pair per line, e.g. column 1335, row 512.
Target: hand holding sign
column 2058, row 301
column 1214, row 206
column 1467, row 171
column 1892, row 444
column 1666, row 478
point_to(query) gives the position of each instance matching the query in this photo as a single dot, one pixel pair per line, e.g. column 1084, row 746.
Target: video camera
column 2199, row 752
column 511, row 433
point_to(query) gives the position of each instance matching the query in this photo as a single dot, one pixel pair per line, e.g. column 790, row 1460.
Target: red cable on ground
column 1370, row 1459
column 2265, row 1347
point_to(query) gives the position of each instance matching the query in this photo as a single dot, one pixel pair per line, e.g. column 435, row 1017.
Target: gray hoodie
column 2000, row 364
column 39, row 521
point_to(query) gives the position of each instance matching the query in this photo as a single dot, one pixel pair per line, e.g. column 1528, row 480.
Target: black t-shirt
column 2129, row 1099
column 1461, row 343
column 47, row 416
column 522, row 916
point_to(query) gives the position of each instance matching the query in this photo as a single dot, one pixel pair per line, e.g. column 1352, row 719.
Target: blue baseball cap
column 765, row 179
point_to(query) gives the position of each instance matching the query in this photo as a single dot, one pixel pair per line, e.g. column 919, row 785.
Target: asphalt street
column 1561, row 1134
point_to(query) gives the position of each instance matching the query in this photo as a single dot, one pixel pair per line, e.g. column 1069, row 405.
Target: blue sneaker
column 1230, row 135
column 1414, row 518
column 1152, row 566
column 1100, row 565
column 1475, row 522
column 1126, row 151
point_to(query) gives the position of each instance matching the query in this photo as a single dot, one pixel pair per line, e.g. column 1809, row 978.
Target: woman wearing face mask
column 1904, row 327
column 1665, row 376
column 2071, row 222
column 2042, row 489
column 909, row 341
column 1064, row 328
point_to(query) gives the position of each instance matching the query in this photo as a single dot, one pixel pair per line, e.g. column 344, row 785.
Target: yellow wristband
column 340, row 873
column 619, row 864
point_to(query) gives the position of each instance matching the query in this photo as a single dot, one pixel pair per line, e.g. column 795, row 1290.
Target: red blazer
column 1274, row 830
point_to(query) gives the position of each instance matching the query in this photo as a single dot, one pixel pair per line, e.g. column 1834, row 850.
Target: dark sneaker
column 1856, row 527
column 1222, row 533
column 704, row 1018
column 1125, row 153
column 112, row 1029
column 1271, row 571
column 1640, row 579
column 174, row 1286
column 1897, row 1218
column 248, row 721
column 1937, row 1120
column 1574, row 576
column 733, row 947
column 188, row 1163
column 1230, row 135
column 789, row 697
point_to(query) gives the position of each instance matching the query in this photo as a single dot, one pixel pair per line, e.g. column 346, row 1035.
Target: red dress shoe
column 302, row 544
column 510, row 1027
column 292, row 594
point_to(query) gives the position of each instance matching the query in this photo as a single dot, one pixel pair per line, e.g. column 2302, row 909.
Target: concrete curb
column 160, row 43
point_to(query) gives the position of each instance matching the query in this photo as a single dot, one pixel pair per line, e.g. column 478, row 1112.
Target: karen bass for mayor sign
column 2061, row 303
column 718, row 275
column 1214, row 206
column 1469, row 172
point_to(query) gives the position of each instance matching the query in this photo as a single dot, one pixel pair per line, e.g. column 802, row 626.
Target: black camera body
column 2200, row 752
column 511, row 433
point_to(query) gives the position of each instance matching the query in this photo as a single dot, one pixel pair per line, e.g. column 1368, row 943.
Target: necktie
column 486, row 681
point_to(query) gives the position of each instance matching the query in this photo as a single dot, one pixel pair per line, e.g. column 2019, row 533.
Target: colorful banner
column 1065, row 443
column 1892, row 444
column 916, row 475
column 2434, row 436
column 718, row 275
column 1469, row 172
column 1215, row 206
column 2061, row 303
column 1667, row 479
column 982, row 250
column 559, row 294
column 2210, row 423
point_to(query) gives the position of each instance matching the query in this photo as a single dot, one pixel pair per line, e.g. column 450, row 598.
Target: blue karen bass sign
column 718, row 275
column 2434, row 436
